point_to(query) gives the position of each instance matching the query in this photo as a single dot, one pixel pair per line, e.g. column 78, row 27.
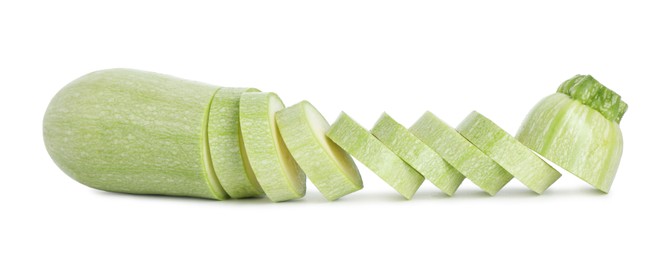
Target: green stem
column 590, row 92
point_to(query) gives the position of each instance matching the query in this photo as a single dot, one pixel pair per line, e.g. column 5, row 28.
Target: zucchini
column 578, row 129
column 133, row 131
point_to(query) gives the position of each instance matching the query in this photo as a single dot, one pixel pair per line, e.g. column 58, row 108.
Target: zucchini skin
column 132, row 131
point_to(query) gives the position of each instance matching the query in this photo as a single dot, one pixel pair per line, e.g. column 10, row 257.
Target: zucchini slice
column 276, row 171
column 330, row 168
column 365, row 147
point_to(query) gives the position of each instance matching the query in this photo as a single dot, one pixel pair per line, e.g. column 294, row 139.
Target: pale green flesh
column 417, row 154
column 226, row 146
column 508, row 152
column 575, row 137
column 330, row 169
column 275, row 169
column 460, row 153
column 365, row 147
column 134, row 132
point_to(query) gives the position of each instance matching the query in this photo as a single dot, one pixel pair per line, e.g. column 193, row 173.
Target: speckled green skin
column 226, row 145
column 365, row 147
column 417, row 154
column 276, row 171
column 508, row 152
column 576, row 137
column 459, row 152
column 590, row 92
column 330, row 168
column 131, row 131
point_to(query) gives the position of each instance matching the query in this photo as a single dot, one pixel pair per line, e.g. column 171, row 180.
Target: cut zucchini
column 275, row 169
column 330, row 168
column 417, row 154
column 508, row 152
column 133, row 131
column 460, row 153
column 578, row 129
column 226, row 145
column 357, row 141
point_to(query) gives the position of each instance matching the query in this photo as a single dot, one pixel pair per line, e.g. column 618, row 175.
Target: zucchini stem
column 587, row 90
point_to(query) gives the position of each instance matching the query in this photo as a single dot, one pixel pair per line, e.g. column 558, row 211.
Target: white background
column 363, row 57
